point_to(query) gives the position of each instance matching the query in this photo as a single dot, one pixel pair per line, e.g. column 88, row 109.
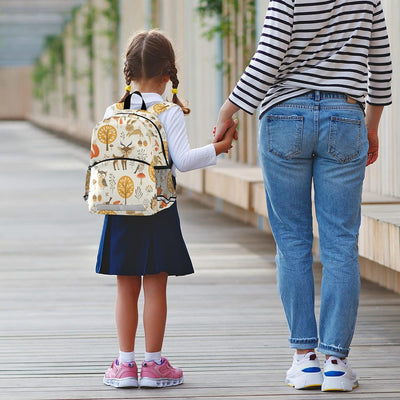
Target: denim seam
column 293, row 105
column 351, row 107
column 303, row 341
column 342, row 350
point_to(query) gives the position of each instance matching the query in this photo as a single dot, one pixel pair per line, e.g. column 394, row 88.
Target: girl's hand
column 373, row 146
column 225, row 144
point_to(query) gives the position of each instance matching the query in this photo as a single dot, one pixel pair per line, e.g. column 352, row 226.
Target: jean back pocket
column 344, row 139
column 285, row 133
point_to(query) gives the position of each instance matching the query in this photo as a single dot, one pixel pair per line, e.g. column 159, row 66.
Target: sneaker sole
column 121, row 383
column 306, row 381
column 161, row 382
column 338, row 385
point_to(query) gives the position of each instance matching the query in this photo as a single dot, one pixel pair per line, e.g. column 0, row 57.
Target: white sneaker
column 306, row 373
column 338, row 376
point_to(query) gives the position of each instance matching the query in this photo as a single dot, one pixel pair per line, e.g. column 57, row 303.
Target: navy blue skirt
column 140, row 246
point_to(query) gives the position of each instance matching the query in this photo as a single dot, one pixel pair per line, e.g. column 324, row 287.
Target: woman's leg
column 126, row 310
column 155, row 310
column 286, row 143
column 338, row 177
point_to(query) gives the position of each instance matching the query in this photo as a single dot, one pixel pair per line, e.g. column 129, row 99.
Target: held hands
column 225, row 121
column 225, row 143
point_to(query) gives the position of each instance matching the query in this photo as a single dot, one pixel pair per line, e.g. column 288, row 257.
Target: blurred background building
column 61, row 66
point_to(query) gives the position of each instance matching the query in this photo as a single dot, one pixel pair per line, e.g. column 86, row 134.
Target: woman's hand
column 373, row 147
column 372, row 118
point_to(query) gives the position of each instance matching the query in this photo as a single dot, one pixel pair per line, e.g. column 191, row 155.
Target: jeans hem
column 332, row 350
column 303, row 344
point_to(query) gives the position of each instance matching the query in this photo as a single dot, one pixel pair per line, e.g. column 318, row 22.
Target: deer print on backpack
column 126, row 150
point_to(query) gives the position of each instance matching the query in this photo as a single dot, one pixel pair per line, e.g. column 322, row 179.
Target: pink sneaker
column 121, row 375
column 160, row 375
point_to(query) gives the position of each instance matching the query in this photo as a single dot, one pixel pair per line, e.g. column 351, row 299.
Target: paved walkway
column 225, row 328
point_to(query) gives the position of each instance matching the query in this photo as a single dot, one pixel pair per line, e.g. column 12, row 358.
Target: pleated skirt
column 139, row 246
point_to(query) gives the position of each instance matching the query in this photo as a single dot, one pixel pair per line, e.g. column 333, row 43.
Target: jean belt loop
column 317, row 95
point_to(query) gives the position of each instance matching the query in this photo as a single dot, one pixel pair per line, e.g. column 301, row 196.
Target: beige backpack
column 130, row 172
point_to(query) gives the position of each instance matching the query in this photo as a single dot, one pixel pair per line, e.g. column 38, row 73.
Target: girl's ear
column 165, row 78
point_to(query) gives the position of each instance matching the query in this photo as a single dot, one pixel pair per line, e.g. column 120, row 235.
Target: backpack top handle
column 127, row 102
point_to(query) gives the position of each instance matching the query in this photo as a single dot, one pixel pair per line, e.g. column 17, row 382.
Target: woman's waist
column 322, row 98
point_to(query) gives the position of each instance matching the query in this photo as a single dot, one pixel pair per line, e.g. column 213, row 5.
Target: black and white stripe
column 331, row 45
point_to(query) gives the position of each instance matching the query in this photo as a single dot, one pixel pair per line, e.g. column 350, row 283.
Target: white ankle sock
column 156, row 357
column 299, row 357
column 126, row 356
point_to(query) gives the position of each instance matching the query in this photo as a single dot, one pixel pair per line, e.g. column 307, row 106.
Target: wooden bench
column 238, row 190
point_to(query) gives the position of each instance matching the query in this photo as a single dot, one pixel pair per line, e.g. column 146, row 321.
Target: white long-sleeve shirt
column 330, row 45
column 183, row 157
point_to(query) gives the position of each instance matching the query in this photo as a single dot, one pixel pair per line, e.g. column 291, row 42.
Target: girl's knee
column 131, row 284
column 155, row 284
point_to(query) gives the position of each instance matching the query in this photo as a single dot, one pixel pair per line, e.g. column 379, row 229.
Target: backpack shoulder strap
column 159, row 108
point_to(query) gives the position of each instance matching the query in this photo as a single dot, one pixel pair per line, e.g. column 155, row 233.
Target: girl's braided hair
column 150, row 54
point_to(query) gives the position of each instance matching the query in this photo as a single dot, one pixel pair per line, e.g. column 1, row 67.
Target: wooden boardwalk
column 225, row 328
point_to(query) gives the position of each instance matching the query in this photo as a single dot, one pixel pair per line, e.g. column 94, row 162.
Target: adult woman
column 316, row 64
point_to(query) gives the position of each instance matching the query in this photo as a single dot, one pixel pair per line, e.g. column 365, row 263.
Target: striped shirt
column 330, row 45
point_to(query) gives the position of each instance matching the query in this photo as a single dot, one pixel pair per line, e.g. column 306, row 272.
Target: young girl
column 136, row 249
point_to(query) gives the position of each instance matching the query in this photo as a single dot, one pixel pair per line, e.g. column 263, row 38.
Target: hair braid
column 128, row 79
column 173, row 76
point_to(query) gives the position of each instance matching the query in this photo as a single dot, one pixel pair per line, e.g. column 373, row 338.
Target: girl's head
column 150, row 55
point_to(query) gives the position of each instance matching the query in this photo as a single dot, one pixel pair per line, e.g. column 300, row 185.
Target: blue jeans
column 319, row 138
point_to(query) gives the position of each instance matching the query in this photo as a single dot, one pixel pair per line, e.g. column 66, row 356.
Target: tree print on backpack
column 125, row 187
column 107, row 134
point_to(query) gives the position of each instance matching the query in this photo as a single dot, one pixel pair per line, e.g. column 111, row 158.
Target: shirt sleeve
column 379, row 61
column 183, row 157
column 262, row 71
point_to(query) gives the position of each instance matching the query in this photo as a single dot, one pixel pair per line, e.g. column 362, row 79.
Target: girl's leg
column 155, row 310
column 157, row 371
column 126, row 310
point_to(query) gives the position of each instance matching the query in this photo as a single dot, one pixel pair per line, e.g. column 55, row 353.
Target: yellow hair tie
column 128, row 88
column 175, row 91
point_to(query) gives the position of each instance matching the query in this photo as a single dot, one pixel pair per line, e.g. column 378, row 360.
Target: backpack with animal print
column 130, row 172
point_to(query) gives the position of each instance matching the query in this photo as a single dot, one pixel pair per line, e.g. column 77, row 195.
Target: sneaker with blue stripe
column 338, row 376
column 305, row 373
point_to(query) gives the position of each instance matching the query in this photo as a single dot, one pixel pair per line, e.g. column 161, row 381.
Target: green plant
column 45, row 73
column 209, row 7
column 218, row 23
column 87, row 41
column 54, row 47
column 112, row 15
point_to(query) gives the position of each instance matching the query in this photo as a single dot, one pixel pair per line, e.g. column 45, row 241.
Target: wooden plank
column 375, row 198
